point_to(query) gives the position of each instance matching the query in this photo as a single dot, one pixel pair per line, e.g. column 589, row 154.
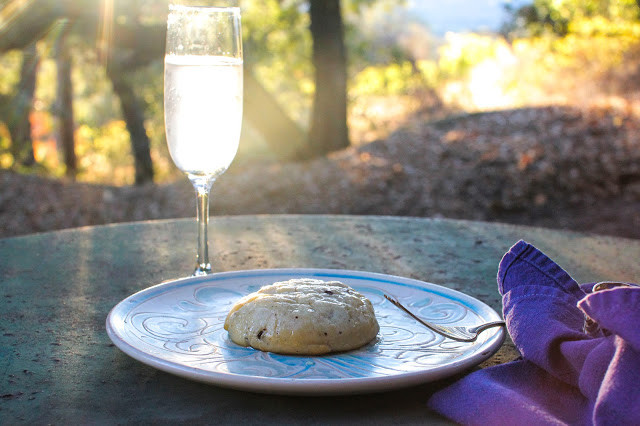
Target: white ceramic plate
column 177, row 327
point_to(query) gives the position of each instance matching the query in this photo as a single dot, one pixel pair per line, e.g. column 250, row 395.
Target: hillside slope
column 559, row 167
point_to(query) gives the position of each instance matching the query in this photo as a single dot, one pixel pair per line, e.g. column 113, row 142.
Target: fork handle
column 483, row 327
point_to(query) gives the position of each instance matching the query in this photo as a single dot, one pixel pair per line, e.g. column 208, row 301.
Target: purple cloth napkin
column 567, row 375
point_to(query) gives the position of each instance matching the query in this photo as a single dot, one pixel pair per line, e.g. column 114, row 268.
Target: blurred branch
column 23, row 22
column 132, row 44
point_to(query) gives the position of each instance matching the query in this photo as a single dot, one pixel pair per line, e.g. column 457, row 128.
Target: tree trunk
column 19, row 124
column 328, row 131
column 133, row 115
column 65, row 106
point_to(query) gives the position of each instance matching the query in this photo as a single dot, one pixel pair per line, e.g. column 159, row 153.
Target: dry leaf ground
column 559, row 167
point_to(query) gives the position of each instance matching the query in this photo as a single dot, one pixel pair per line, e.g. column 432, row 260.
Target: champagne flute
column 203, row 100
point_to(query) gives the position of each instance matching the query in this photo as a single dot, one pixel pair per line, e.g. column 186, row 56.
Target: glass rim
column 186, row 8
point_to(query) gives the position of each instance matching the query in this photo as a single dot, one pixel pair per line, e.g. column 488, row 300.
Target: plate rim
column 315, row 386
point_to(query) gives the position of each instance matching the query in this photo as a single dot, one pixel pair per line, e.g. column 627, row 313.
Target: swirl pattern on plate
column 185, row 325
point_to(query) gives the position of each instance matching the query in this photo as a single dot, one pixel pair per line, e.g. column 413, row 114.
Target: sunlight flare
column 11, row 10
column 105, row 31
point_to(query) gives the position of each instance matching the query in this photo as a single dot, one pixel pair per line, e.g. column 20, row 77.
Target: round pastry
column 303, row 317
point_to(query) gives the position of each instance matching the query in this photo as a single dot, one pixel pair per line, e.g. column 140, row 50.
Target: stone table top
column 58, row 366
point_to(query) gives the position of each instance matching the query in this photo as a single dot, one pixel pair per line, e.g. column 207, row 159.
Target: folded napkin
column 572, row 371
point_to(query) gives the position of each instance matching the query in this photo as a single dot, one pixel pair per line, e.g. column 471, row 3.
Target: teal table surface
column 58, row 366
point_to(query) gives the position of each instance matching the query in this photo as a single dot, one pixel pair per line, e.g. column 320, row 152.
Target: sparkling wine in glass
column 203, row 100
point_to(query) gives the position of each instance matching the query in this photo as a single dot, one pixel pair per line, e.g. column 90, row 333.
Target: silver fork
column 458, row 333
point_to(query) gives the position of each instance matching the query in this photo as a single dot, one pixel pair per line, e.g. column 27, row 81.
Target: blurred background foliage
column 556, row 51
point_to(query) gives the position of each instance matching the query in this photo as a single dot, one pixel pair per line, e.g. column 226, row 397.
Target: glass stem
column 202, row 186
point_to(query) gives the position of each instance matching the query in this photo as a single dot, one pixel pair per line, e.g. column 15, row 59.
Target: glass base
column 202, row 270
